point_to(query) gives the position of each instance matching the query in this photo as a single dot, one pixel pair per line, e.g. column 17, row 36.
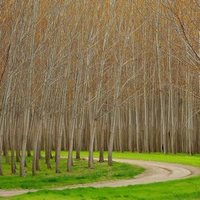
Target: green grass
column 180, row 158
column 186, row 189
column 173, row 190
column 47, row 178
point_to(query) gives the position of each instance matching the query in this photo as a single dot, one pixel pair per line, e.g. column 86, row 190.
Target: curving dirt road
column 155, row 172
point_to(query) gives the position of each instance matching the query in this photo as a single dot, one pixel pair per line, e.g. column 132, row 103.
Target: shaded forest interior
column 98, row 75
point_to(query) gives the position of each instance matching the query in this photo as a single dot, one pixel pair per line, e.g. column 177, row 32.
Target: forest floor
column 155, row 172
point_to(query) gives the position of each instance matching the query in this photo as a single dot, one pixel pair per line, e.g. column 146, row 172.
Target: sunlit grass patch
column 80, row 174
column 186, row 189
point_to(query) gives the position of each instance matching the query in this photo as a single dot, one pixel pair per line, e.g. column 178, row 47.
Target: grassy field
column 173, row 190
column 160, row 157
column 47, row 178
column 186, row 189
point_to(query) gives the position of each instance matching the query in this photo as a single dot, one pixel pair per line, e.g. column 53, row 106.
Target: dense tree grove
column 119, row 75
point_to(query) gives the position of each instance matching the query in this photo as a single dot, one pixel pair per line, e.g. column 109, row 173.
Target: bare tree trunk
column 48, row 133
column 13, row 121
column 146, row 117
column 35, row 147
column 1, row 143
column 102, row 138
column 58, row 142
column 162, row 99
column 80, row 133
column 74, row 118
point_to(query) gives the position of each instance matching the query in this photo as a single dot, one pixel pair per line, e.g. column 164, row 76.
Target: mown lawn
column 47, row 178
column 174, row 190
column 185, row 189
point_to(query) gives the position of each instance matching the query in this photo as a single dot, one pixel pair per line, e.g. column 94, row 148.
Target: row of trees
column 98, row 75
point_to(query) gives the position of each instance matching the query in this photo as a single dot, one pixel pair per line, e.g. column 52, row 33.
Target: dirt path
column 155, row 172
